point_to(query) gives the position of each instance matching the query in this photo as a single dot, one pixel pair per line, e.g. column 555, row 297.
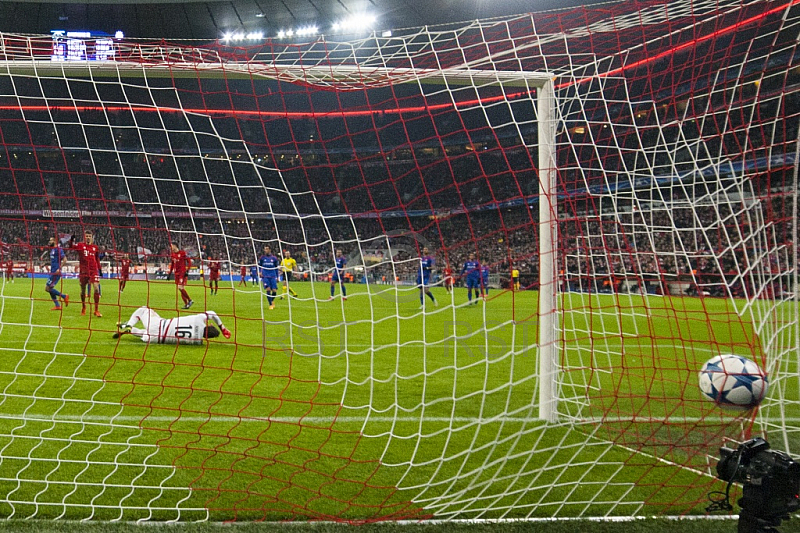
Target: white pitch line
column 356, row 419
column 281, row 419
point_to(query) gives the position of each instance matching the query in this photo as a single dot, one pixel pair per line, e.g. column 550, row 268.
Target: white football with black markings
column 733, row 382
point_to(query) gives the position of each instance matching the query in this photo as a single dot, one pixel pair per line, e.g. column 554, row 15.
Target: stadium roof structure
column 212, row 19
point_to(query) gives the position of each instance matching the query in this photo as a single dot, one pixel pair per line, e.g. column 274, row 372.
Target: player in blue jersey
column 269, row 274
column 57, row 257
column 254, row 275
column 424, row 275
column 484, row 281
column 472, row 270
column 338, row 275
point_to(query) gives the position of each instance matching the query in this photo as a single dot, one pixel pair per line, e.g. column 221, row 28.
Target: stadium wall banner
column 161, row 275
column 65, row 213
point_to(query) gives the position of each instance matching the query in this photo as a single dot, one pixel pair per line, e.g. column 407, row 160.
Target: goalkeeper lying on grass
column 191, row 329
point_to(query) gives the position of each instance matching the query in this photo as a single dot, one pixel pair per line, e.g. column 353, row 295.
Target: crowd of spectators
column 717, row 249
column 736, row 248
column 380, row 189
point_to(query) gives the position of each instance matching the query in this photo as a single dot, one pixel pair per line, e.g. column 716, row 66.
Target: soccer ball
column 733, row 382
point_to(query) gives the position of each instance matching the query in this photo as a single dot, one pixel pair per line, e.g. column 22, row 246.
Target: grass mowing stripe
column 281, row 441
column 668, row 524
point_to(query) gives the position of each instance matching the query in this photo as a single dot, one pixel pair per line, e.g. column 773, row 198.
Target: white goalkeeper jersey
column 184, row 330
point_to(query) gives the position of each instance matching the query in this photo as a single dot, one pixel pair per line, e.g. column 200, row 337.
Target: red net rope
column 676, row 190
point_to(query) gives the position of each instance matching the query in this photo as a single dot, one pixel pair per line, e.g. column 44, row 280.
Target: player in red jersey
column 178, row 266
column 243, row 274
column 89, row 265
column 124, row 271
column 10, row 271
column 448, row 279
column 214, row 266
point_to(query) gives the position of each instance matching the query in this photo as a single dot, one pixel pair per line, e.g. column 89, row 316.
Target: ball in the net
column 733, row 382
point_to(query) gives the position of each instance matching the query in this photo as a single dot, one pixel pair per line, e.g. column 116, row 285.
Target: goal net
column 595, row 200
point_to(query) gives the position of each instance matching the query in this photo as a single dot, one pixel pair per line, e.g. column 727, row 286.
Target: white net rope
column 362, row 398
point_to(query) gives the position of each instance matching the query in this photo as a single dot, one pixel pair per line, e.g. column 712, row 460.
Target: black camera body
column 770, row 484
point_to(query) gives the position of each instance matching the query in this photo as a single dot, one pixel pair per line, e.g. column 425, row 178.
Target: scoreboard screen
column 83, row 46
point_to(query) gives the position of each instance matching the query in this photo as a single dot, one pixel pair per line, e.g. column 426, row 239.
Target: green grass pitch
column 362, row 409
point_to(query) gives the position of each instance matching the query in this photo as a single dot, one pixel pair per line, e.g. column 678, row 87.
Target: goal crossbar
column 337, row 73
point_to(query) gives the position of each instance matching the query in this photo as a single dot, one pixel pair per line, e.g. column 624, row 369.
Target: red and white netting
column 673, row 142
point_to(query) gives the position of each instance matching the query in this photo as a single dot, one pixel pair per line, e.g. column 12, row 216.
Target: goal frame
column 543, row 82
